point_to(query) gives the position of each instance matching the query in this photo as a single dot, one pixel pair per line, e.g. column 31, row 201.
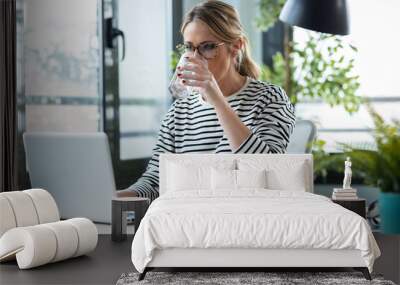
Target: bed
column 247, row 210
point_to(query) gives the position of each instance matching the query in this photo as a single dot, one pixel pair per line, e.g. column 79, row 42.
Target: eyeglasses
column 208, row 50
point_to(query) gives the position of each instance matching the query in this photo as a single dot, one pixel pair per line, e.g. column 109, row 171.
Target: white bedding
column 255, row 218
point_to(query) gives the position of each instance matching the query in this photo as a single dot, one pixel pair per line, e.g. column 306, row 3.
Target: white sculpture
column 347, row 174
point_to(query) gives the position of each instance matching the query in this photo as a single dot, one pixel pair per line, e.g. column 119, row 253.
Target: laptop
column 76, row 168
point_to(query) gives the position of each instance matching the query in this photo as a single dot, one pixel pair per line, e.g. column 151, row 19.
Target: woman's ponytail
column 245, row 65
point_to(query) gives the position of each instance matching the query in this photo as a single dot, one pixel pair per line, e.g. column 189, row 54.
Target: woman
column 236, row 113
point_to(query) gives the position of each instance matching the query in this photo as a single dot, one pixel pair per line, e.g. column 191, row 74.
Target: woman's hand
column 126, row 193
column 196, row 73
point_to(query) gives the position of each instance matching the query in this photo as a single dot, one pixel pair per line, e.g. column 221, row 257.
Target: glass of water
column 176, row 87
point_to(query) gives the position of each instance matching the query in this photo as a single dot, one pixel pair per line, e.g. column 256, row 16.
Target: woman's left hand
column 196, row 73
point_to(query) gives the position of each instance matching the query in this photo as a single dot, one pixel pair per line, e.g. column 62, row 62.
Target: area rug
column 244, row 278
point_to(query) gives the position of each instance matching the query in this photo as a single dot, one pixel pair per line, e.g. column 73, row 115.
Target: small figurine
column 347, row 174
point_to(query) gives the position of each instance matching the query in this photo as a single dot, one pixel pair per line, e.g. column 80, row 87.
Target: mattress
column 250, row 219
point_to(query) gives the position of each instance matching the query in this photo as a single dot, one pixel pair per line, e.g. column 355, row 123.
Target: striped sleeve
column 273, row 126
column 148, row 184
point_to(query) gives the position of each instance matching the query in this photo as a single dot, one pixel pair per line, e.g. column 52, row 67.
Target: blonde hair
column 223, row 21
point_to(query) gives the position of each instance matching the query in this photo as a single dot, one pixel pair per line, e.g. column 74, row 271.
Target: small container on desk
column 120, row 207
column 357, row 205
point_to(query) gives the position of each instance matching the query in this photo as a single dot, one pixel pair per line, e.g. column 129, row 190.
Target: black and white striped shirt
column 191, row 125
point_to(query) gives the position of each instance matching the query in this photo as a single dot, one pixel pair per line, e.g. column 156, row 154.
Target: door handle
column 111, row 33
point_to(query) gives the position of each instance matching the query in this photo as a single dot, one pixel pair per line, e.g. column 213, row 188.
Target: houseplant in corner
column 381, row 167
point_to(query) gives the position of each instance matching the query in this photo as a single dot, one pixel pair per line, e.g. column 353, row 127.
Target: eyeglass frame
column 194, row 48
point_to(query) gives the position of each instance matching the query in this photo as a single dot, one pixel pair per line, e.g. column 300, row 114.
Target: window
column 374, row 31
column 143, row 74
column 61, row 67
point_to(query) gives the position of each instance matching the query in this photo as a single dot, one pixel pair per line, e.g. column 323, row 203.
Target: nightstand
column 357, row 205
column 120, row 206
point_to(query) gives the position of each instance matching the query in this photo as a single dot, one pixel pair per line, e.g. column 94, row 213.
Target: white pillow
column 223, row 179
column 232, row 180
column 191, row 175
column 187, row 177
column 282, row 174
column 251, row 178
column 278, row 179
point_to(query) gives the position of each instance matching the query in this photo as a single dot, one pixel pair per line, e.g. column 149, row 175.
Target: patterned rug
column 243, row 278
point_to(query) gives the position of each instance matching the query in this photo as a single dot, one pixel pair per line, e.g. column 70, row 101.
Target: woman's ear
column 236, row 47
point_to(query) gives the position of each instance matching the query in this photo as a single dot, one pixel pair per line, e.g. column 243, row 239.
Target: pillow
column 231, row 180
column 251, row 178
column 282, row 174
column 295, row 180
column 188, row 174
column 187, row 177
column 223, row 179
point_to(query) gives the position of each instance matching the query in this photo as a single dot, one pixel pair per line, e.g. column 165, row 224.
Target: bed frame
column 246, row 258
column 243, row 259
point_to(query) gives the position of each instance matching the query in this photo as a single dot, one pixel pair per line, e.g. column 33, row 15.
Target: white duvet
column 250, row 219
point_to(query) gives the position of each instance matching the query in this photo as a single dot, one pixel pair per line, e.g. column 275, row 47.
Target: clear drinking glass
column 176, row 87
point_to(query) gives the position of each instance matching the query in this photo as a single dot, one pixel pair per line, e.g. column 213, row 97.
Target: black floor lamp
column 325, row 16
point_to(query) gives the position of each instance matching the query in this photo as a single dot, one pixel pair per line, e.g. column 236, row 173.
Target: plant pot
column 389, row 209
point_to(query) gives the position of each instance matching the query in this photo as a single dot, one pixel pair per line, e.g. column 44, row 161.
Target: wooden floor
column 102, row 266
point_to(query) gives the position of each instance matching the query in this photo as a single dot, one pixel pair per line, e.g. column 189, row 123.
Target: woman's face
column 197, row 32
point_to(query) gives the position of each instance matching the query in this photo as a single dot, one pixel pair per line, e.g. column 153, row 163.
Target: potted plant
column 380, row 166
column 316, row 69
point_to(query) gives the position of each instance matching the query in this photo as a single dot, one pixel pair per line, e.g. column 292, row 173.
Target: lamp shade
column 325, row 16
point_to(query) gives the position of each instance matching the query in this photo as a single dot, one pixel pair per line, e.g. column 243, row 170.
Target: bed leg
column 143, row 274
column 364, row 271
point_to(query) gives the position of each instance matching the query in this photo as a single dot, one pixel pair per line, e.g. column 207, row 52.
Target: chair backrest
column 298, row 167
column 303, row 135
column 26, row 208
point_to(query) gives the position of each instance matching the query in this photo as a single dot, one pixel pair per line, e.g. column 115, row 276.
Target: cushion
column 33, row 244
column 233, row 180
column 66, row 237
column 190, row 175
column 223, row 179
column 187, row 177
column 26, row 208
column 295, row 181
column 23, row 208
column 45, row 205
column 45, row 243
column 281, row 174
column 251, row 178
column 7, row 218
